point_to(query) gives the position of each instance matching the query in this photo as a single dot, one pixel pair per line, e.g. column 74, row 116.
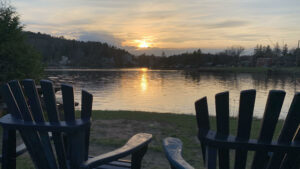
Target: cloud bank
column 169, row 25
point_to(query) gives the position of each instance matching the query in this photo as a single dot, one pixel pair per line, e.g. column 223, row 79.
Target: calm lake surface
column 171, row 91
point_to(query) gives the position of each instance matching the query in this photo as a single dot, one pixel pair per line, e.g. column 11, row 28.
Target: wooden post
column 9, row 149
column 136, row 158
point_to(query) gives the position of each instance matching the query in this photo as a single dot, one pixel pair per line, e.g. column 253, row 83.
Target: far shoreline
column 266, row 70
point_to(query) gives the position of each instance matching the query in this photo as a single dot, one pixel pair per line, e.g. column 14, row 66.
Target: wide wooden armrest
column 8, row 121
column 20, row 149
column 173, row 150
column 214, row 139
column 134, row 144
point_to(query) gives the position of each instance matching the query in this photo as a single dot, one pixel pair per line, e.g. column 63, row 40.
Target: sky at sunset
column 172, row 26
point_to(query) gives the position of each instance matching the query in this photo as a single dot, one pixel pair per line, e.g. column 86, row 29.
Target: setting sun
column 143, row 44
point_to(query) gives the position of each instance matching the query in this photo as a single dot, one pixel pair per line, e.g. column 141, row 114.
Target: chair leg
column 9, row 149
column 211, row 158
column 136, row 158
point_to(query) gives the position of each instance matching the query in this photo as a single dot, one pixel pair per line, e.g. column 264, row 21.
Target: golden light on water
column 144, row 69
column 144, row 82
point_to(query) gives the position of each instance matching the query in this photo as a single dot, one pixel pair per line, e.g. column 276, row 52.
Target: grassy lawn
column 111, row 129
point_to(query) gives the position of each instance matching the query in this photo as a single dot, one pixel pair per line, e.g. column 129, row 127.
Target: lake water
column 171, row 91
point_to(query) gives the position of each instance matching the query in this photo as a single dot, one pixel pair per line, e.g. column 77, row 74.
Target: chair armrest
column 173, row 149
column 20, row 149
column 134, row 144
column 9, row 121
column 218, row 140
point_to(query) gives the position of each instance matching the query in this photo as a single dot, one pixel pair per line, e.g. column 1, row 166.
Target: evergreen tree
column 17, row 59
column 277, row 50
column 285, row 50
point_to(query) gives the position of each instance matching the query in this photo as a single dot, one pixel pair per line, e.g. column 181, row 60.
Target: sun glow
column 146, row 42
column 143, row 44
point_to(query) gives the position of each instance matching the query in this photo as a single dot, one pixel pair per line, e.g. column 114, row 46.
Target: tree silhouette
column 17, row 59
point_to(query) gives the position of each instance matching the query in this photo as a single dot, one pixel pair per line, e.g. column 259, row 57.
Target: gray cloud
column 183, row 23
column 75, row 22
column 246, row 37
column 228, row 24
column 157, row 14
column 100, row 36
column 183, row 39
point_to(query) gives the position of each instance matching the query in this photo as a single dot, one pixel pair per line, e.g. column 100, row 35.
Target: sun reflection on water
column 144, row 69
column 144, row 82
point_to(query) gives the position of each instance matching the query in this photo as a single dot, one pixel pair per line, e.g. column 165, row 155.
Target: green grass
column 182, row 126
column 161, row 125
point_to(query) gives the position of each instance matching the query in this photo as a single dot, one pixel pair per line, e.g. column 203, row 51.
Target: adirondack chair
column 283, row 153
column 70, row 138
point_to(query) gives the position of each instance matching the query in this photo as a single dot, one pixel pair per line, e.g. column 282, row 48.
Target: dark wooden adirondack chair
column 70, row 138
column 283, row 153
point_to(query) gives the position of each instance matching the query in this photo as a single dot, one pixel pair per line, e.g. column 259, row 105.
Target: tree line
column 58, row 51
column 263, row 55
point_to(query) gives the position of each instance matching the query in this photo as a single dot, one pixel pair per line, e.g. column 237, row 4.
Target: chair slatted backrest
column 222, row 114
column 38, row 143
column 246, row 107
column 262, row 158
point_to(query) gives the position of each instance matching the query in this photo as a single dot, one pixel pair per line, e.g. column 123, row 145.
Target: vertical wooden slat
column 86, row 105
column 222, row 115
column 270, row 118
column 50, row 103
column 37, row 113
column 69, row 113
column 19, row 96
column 288, row 131
column 33, row 99
column 86, row 111
column 12, row 106
column 247, row 101
column 68, row 102
column 202, row 117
